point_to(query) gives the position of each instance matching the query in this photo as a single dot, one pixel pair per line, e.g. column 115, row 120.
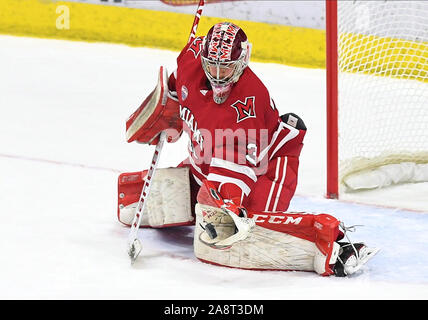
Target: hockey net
column 382, row 93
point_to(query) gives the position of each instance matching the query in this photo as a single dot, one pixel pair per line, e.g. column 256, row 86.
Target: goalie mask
column 225, row 55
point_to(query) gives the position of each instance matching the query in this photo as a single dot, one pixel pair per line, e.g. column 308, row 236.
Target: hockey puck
column 210, row 230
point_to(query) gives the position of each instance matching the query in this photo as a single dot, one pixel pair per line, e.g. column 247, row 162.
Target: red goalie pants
column 272, row 191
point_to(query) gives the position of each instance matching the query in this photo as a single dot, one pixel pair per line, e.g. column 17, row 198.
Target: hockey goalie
column 236, row 185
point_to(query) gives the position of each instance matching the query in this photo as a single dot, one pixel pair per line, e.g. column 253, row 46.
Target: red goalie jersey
column 241, row 144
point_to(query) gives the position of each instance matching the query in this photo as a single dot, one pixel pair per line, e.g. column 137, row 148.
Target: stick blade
column 134, row 250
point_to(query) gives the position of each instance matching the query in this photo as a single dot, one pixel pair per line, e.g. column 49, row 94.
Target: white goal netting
column 383, row 92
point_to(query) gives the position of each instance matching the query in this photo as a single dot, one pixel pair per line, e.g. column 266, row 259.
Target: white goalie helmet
column 225, row 55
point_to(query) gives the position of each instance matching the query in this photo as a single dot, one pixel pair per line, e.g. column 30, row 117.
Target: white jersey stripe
column 278, row 164
column 291, row 135
column 223, row 179
column 264, row 152
column 220, row 163
column 278, row 193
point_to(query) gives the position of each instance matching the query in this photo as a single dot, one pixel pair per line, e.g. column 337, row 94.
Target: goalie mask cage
column 377, row 93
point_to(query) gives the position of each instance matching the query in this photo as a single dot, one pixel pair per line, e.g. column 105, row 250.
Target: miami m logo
column 196, row 47
column 245, row 109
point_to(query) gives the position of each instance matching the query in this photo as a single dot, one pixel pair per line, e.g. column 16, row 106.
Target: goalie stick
column 198, row 15
column 134, row 243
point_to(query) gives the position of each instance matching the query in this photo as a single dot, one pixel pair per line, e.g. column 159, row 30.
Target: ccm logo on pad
column 261, row 218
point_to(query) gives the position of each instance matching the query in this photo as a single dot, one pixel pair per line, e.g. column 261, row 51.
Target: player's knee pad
column 168, row 203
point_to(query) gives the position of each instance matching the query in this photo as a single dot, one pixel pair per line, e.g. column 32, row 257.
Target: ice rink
column 62, row 145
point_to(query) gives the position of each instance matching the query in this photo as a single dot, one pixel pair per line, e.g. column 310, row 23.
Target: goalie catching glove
column 158, row 112
column 225, row 223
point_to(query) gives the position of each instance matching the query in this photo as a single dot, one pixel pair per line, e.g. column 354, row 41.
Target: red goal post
column 331, row 72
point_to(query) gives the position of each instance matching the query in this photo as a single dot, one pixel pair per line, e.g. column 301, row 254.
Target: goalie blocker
column 158, row 112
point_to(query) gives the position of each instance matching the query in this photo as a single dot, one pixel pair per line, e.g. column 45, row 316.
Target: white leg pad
column 168, row 203
column 263, row 249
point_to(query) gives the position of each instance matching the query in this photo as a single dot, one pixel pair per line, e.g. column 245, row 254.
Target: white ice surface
column 63, row 107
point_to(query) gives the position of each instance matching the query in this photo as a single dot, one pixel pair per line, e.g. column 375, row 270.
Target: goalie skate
column 352, row 257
